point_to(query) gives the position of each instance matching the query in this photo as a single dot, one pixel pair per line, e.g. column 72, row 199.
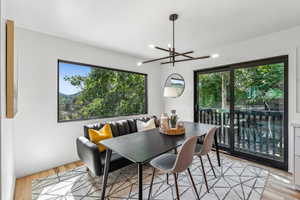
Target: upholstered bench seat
column 89, row 153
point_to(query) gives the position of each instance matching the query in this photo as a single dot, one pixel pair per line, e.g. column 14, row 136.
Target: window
column 249, row 101
column 89, row 92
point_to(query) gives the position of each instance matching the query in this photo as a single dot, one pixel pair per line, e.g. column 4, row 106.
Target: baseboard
column 13, row 189
column 10, row 195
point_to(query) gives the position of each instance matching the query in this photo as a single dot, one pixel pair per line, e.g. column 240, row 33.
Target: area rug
column 236, row 180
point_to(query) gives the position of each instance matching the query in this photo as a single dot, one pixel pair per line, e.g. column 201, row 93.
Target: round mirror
column 174, row 86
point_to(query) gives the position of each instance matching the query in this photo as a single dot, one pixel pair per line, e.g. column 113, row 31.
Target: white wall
column 41, row 142
column 276, row 44
column 7, row 169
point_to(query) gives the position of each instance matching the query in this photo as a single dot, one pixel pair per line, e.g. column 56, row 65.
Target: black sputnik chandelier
column 173, row 54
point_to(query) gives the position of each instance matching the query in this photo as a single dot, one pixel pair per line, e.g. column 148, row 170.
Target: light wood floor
column 276, row 188
column 23, row 185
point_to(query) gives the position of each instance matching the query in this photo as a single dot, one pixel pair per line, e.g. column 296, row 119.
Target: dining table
column 141, row 147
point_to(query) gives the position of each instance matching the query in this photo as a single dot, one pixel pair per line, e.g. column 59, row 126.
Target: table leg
column 217, row 150
column 140, row 180
column 105, row 175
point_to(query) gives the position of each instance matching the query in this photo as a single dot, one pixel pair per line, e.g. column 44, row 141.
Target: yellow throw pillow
column 102, row 134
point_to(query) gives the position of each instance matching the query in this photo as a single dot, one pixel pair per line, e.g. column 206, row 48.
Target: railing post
column 267, row 135
column 248, row 130
column 254, row 131
column 281, row 135
column 200, row 116
column 273, row 123
column 243, row 130
column 260, row 133
column 238, row 129
column 220, row 129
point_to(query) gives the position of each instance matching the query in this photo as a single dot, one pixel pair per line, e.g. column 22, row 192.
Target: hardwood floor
column 277, row 187
column 23, row 185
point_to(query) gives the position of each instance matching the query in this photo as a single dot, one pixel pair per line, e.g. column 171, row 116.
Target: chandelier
column 173, row 54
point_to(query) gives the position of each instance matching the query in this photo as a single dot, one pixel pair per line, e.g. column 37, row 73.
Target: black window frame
column 101, row 67
column 230, row 67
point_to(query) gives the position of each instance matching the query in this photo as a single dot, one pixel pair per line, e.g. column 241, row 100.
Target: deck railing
column 257, row 132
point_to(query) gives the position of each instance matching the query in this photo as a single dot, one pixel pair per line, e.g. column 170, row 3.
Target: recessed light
column 152, row 46
column 169, row 45
column 215, row 55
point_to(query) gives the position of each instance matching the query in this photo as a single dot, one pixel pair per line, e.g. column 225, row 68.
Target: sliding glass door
column 249, row 102
column 213, row 102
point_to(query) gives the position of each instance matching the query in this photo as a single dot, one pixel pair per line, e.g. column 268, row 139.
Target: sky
column 177, row 82
column 67, row 69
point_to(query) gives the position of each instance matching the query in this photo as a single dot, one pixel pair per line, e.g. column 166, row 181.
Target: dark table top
column 143, row 146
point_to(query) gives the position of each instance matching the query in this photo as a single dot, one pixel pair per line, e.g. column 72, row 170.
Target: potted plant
column 173, row 119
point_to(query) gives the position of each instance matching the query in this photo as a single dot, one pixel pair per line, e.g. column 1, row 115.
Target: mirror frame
column 183, row 85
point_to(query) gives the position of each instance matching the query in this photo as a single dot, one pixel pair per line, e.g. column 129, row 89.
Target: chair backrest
column 207, row 142
column 185, row 155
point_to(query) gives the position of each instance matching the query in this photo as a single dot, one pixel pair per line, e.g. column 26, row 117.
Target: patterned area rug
column 235, row 180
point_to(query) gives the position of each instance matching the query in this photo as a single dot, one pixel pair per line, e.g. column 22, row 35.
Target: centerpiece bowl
column 173, row 131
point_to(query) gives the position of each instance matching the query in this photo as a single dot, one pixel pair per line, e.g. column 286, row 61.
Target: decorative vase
column 180, row 125
column 173, row 119
column 164, row 121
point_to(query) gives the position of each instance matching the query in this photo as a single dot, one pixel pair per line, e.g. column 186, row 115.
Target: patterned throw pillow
column 143, row 126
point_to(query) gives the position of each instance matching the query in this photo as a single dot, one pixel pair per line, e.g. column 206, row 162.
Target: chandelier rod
column 173, row 42
column 187, row 59
column 166, row 57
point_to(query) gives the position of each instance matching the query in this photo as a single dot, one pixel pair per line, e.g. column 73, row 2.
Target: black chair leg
column 212, row 167
column 88, row 171
column 151, row 184
column 176, row 185
column 203, row 170
column 167, row 178
column 193, row 183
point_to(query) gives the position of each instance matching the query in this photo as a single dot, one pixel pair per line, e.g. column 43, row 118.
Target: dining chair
column 174, row 164
column 204, row 149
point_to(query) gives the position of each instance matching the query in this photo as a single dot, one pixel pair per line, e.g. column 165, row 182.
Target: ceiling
column 129, row 26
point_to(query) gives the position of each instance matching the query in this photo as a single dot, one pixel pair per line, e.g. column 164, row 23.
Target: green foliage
column 105, row 93
column 261, row 85
column 210, row 89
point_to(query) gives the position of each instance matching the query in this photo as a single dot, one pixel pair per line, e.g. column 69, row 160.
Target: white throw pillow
column 143, row 126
